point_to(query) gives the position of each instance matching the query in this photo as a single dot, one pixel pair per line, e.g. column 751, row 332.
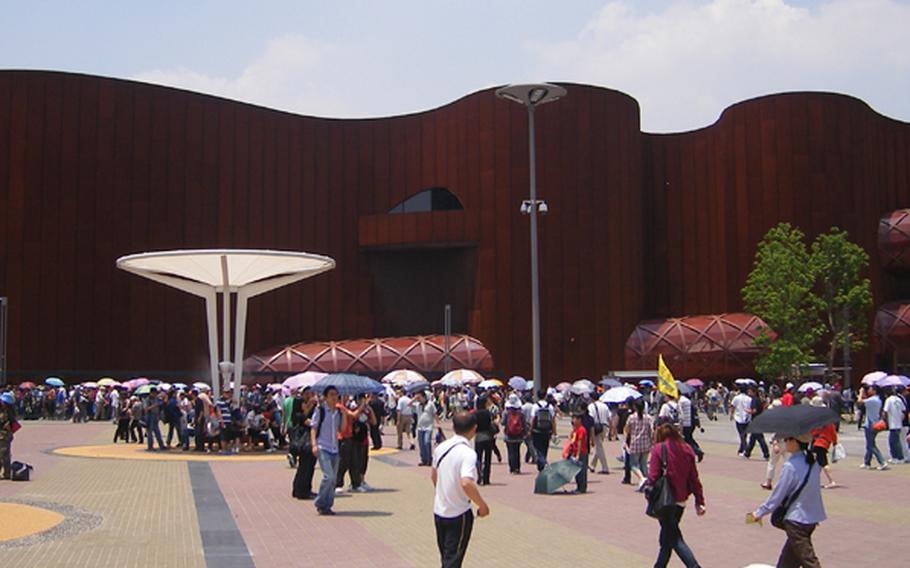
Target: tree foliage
column 843, row 295
column 780, row 291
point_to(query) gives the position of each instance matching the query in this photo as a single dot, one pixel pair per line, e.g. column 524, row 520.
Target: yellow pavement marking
column 138, row 452
column 17, row 521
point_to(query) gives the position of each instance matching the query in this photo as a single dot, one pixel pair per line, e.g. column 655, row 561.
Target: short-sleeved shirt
column 685, row 411
column 894, row 412
column 427, row 418
column 404, row 406
column 873, row 406
column 599, row 412
column 742, row 403
column 327, row 435
column 453, row 461
column 640, row 429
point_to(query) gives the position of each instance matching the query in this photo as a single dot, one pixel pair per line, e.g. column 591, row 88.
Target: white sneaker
column 864, row 466
column 339, row 490
column 884, row 467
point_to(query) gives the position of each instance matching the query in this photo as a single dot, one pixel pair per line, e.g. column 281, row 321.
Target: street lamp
column 532, row 96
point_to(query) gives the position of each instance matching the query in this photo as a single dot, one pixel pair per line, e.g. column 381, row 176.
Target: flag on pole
column 665, row 381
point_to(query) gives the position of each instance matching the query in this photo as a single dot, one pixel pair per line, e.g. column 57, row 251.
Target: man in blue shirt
column 873, row 405
column 324, row 439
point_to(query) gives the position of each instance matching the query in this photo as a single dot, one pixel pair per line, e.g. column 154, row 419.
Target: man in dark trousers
column 455, row 481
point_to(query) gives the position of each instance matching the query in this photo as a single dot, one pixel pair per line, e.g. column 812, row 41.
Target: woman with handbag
column 483, row 440
column 672, row 472
column 796, row 504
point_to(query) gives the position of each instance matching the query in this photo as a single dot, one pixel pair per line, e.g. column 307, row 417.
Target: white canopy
column 206, row 273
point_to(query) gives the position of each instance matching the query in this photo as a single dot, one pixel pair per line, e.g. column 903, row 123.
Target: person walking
column 301, row 417
column 577, row 450
column 515, row 428
column 799, row 486
column 324, row 442
column 601, row 415
column 688, row 419
column 7, row 429
column 740, row 412
column 527, row 408
column 427, row 420
column 454, row 478
column 673, row 458
column 543, row 427
column 638, row 441
column 872, row 406
column 152, row 412
column 823, row 439
column 893, row 413
column 405, row 418
column 757, row 406
column 483, row 440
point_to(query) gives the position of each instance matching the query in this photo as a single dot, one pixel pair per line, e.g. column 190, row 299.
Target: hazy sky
column 685, row 61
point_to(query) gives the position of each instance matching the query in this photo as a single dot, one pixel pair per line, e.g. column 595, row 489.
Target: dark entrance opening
column 411, row 288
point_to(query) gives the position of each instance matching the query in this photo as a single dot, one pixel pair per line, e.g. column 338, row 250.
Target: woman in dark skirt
column 302, row 414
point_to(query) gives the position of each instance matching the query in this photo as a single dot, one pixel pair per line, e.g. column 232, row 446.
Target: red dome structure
column 423, row 353
column 894, row 240
column 892, row 325
column 713, row 346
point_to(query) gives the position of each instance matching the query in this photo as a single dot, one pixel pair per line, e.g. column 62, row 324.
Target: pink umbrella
column 873, row 377
column 306, row 379
column 697, row 383
column 890, row 381
column 136, row 383
column 562, row 387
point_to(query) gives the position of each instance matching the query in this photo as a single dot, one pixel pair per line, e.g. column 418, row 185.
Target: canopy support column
column 239, row 338
column 211, row 313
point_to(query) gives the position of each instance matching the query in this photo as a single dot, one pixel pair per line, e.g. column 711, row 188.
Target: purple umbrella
column 890, row 381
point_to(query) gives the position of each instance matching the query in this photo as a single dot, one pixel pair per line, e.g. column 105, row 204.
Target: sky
column 683, row 60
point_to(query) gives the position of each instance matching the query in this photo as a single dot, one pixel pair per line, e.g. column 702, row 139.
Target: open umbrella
column 792, row 420
column 420, row 386
column 890, row 381
column 905, row 381
column 165, row 386
column 646, row 382
column 53, row 381
column 564, row 386
column 555, row 475
column 519, row 383
column 202, row 386
column 27, row 385
column 811, row 385
column 745, row 382
column 463, row 377
column 143, row 390
column 107, row 382
column 403, row 377
column 448, row 381
column 90, row 385
column 181, row 386
column 873, row 377
column 583, row 386
column 619, row 394
column 697, row 383
column 684, row 388
column 301, row 380
column 609, row 383
column 349, row 384
column 489, row 384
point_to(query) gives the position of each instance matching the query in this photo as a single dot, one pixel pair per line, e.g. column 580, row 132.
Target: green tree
column 780, row 291
column 843, row 295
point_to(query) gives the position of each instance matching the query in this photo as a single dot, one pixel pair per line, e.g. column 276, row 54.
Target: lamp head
column 531, row 94
column 542, row 208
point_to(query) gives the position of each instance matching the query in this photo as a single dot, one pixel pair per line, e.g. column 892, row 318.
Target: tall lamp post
column 531, row 96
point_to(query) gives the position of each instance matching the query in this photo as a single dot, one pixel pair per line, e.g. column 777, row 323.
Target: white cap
column 789, row 386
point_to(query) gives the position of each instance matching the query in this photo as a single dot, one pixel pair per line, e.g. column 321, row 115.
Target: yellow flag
column 665, row 381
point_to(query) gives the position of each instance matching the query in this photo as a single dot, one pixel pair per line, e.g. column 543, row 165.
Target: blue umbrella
column 610, row 383
column 349, row 384
column 684, row 388
column 518, row 383
column 419, row 386
column 53, row 381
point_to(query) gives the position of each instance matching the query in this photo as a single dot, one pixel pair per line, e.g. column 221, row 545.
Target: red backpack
column 515, row 424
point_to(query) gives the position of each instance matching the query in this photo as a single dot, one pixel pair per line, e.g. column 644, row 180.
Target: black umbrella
column 792, row 420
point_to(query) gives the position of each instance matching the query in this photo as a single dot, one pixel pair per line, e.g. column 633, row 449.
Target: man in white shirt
column 688, row 415
column 741, row 411
column 543, row 427
column 893, row 413
column 527, row 409
column 405, row 417
column 455, row 481
column 601, row 415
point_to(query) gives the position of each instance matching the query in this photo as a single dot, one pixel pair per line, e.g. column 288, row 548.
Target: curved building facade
column 418, row 211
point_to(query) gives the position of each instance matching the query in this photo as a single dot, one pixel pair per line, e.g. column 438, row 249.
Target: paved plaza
column 98, row 506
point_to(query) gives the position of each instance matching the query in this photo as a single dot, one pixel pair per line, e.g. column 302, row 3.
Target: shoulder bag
column 660, row 495
column 777, row 517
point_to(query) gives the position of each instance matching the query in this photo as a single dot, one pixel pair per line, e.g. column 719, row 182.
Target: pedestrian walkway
column 142, row 512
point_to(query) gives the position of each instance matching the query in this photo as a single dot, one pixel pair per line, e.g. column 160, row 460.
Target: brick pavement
column 148, row 503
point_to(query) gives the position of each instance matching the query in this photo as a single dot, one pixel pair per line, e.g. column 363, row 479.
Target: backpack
column 21, row 471
column 515, row 424
column 543, row 420
column 674, row 412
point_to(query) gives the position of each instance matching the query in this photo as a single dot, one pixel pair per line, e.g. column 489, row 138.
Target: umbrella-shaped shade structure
column 463, row 377
column 792, row 420
column 27, row 385
column 811, row 385
column 555, row 475
column 697, row 383
column 403, row 377
column 107, row 382
column 890, row 381
column 583, row 386
column 490, row 384
column 873, row 377
column 617, row 395
column 54, row 381
column 684, row 388
column 301, row 380
column 207, row 273
column 519, row 383
column 609, row 383
column 419, row 386
column 348, row 384
column 564, row 386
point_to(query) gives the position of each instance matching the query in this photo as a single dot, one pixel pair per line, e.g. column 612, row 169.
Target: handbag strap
column 663, row 459
column 439, row 461
column 791, row 498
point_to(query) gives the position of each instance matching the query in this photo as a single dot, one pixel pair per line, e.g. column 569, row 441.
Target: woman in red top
column 682, row 476
column 822, row 440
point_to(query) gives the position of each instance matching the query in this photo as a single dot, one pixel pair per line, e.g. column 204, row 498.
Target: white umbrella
column 403, row 377
column 202, row 386
column 619, row 394
column 489, row 384
column 811, row 385
column 583, row 386
column 873, row 377
column 300, row 380
column 463, row 376
column 745, row 382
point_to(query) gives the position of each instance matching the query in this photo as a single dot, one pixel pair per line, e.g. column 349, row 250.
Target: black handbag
column 778, row 515
column 660, row 494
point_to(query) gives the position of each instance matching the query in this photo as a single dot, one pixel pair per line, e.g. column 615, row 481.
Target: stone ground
column 145, row 513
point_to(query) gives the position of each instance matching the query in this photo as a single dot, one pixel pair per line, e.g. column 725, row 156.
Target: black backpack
column 543, row 420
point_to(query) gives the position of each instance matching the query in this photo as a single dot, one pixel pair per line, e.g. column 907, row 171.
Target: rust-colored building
column 418, row 211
